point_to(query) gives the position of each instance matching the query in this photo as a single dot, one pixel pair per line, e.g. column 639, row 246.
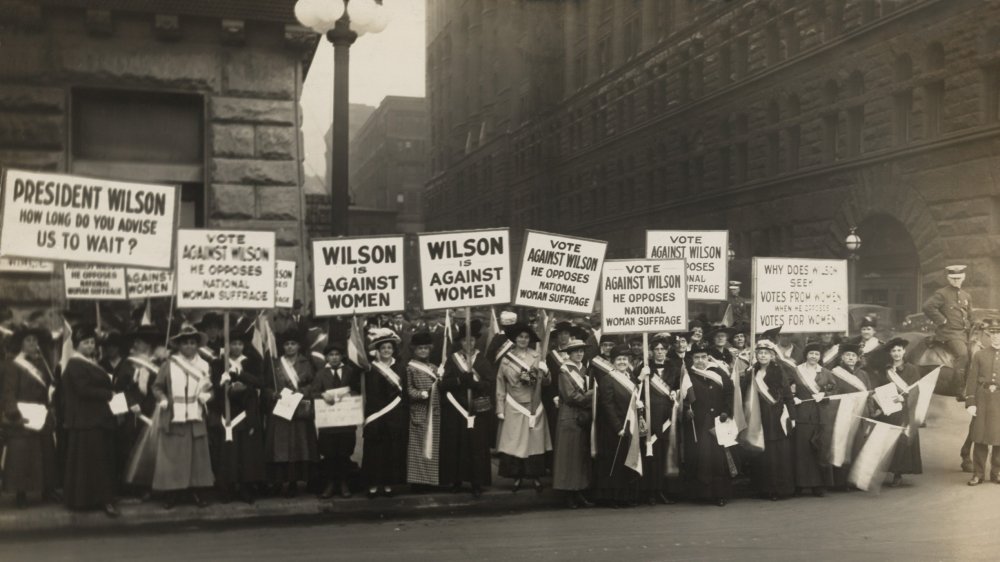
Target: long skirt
column 291, row 449
column 91, row 474
column 383, row 461
column 419, row 468
column 183, row 459
column 572, row 468
column 515, row 467
column 30, row 462
column 773, row 470
column 238, row 461
column 465, row 453
column 810, row 451
column 906, row 459
column 654, row 467
column 614, row 482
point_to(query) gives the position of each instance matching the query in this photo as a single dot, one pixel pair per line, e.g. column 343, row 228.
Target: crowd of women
column 615, row 421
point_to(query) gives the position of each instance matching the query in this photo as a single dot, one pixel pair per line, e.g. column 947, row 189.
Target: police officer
column 982, row 400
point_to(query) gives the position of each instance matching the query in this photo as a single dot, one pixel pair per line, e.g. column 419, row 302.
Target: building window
column 773, row 52
column 725, row 57
column 773, row 139
column 791, row 35
column 741, row 53
column 830, row 122
column 856, row 114
column 934, row 90
column 742, row 131
column 697, row 69
column 902, row 100
column 632, row 37
column 991, row 75
column 726, row 133
column 604, row 55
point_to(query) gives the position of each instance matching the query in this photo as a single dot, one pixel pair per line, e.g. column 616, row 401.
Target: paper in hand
column 726, row 431
column 785, row 416
column 287, row 404
column 34, row 415
column 118, row 404
column 885, row 397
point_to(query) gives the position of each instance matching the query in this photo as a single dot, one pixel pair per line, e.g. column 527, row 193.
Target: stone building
column 199, row 94
column 786, row 122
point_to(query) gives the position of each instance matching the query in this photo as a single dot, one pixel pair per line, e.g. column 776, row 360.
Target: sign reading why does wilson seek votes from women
column 225, row 269
column 94, row 282
column 707, row 255
column 800, row 295
column 464, row 268
column 643, row 296
column 358, row 275
column 84, row 220
column 559, row 272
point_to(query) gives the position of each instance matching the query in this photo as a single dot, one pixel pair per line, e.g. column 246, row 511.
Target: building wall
column 784, row 122
column 248, row 75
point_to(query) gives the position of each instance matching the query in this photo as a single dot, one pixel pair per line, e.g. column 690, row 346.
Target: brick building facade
column 785, row 122
column 198, row 94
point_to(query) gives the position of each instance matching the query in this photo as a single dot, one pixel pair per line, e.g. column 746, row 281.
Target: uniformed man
column 738, row 305
column 982, row 400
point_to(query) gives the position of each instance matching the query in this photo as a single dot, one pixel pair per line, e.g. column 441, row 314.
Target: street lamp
column 853, row 243
column 342, row 26
column 731, row 254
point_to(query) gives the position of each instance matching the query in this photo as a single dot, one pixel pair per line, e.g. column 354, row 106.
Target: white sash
column 831, row 354
column 23, row 362
column 762, row 388
column 142, row 363
column 532, row 418
column 388, row 374
column 803, row 376
column 623, row 380
column 144, row 369
column 470, row 421
column 232, row 425
column 185, row 397
column 290, row 372
column 466, row 366
column 207, row 353
column 388, row 408
column 869, row 345
column 897, row 380
column 717, row 363
column 423, row 368
column 504, row 349
column 517, row 361
column 660, row 386
column 573, row 371
column 850, row 378
column 237, row 363
column 84, row 358
column 602, row 364
column 714, row 377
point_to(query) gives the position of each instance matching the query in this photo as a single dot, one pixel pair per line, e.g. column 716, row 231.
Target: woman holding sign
column 524, row 431
column 291, row 432
column 906, row 458
column 30, row 465
column 386, row 427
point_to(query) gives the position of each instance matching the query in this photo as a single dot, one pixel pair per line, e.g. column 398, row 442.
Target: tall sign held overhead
column 643, row 296
column 465, row 268
column 84, row 220
column 361, row 275
column 149, row 283
column 559, row 272
column 707, row 255
column 225, row 269
column 800, row 294
column 94, row 282
column 284, row 283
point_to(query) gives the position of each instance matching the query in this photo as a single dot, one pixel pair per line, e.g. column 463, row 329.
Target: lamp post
column 342, row 26
column 853, row 243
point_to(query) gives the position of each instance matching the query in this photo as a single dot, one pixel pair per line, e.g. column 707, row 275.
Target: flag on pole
column 753, row 436
column 633, row 458
column 727, row 317
column 868, row 470
column 356, row 346
column 147, row 315
column 739, row 414
column 67, row 345
column 925, row 388
column 845, row 426
column 494, row 327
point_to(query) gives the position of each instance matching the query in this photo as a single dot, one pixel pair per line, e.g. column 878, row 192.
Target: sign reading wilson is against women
column 225, row 269
column 358, row 275
column 76, row 219
column 465, row 268
column 559, row 272
column 643, row 296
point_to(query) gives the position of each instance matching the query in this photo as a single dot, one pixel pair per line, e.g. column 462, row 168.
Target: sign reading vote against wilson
column 559, row 272
column 643, row 296
column 465, row 268
column 225, row 269
column 707, row 255
column 284, row 283
column 799, row 294
column 358, row 275
column 149, row 283
column 94, row 282
column 76, row 219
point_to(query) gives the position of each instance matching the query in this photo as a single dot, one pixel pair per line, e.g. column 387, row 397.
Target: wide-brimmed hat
column 904, row 343
column 379, row 336
column 716, row 330
column 868, row 322
column 573, row 345
column 518, row 328
column 188, row 331
column 700, row 348
column 771, row 334
column 768, row 345
column 23, row 331
column 608, row 338
column 291, row 334
column 849, row 347
column 991, row 325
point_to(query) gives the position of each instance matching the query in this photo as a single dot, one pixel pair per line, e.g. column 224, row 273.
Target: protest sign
column 643, row 296
column 94, row 282
column 707, row 255
column 76, row 219
column 225, row 269
column 347, row 411
column 358, row 275
column 149, row 283
column 284, row 283
column 465, row 268
column 801, row 295
column 559, row 272
column 20, row 265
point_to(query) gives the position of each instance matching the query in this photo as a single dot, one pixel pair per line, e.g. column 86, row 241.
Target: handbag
column 583, row 418
column 481, row 405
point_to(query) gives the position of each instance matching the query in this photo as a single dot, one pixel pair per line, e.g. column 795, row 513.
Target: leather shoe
column 517, row 486
column 571, row 502
column 819, row 492
column 198, row 500
column 538, row 486
column 582, row 501
column 897, row 479
column 967, row 465
column 111, row 511
column 721, row 502
column 975, row 481
column 327, row 492
column 345, row 492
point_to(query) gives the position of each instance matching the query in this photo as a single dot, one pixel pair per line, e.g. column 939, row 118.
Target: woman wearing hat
column 655, row 373
column 423, row 453
column 709, row 465
column 91, row 475
column 134, row 377
column 771, row 396
column 386, row 418
column 906, row 458
column 572, row 471
column 851, row 377
column 465, row 397
column 617, row 394
column 524, row 430
column 813, row 421
column 237, row 455
column 30, row 465
column 335, row 381
column 183, row 389
column 291, row 444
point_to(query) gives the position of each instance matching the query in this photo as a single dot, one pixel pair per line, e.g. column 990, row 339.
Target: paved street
column 933, row 517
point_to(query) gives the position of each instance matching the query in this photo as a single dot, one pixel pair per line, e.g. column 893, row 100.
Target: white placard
column 643, row 296
column 559, row 272
column 358, row 275
column 284, row 283
column 225, row 269
column 85, row 220
column 707, row 255
column 464, row 268
column 347, row 411
column 149, row 283
column 94, row 282
column 21, row 265
column 801, row 295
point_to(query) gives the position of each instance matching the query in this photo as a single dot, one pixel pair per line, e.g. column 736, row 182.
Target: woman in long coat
column 383, row 464
column 617, row 483
column 134, row 377
column 466, row 384
column 773, row 470
column 850, row 377
column 425, row 413
column 30, row 460
column 906, row 457
column 655, row 373
column 982, row 401
column 91, row 477
column 709, row 464
column 814, row 416
column 291, row 444
column 572, row 467
column 524, row 430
